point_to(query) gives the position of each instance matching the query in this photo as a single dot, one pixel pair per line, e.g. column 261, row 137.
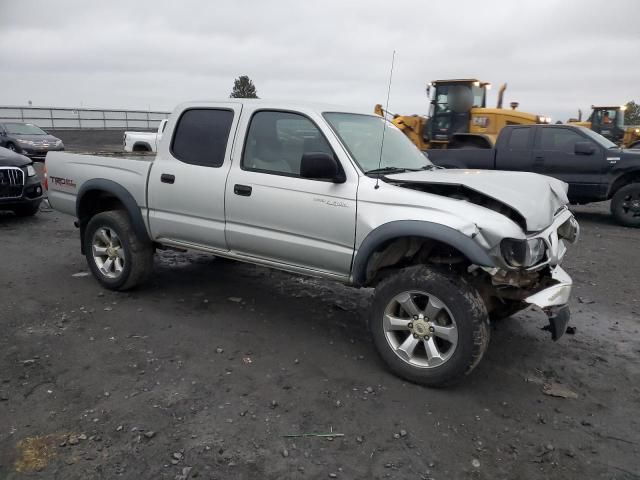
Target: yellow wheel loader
column 459, row 117
column 608, row 121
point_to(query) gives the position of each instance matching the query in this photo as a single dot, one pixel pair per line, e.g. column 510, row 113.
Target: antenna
column 384, row 120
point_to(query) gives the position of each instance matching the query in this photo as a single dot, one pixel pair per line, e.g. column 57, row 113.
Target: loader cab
column 608, row 122
column 451, row 104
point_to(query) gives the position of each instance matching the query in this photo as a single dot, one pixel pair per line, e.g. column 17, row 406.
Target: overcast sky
column 556, row 55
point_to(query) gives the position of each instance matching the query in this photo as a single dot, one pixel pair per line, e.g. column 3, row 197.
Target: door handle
column 243, row 190
column 167, row 178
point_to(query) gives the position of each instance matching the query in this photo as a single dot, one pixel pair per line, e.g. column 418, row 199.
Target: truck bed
column 68, row 173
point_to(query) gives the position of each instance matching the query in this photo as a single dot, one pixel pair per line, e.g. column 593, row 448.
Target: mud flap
column 558, row 321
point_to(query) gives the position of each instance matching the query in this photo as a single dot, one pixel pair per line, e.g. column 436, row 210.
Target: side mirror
column 584, row 148
column 321, row 166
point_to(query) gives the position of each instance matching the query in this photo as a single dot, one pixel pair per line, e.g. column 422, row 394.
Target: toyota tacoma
column 338, row 194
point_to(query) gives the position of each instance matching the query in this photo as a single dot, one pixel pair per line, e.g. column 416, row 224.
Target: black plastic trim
column 121, row 193
column 415, row 228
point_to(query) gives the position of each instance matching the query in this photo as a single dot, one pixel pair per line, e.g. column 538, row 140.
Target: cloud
column 557, row 56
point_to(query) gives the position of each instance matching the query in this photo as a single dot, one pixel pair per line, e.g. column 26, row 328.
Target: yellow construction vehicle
column 459, row 117
column 608, row 121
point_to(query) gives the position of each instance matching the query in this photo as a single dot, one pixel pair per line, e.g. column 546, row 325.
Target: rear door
column 276, row 215
column 187, row 179
column 554, row 150
column 514, row 150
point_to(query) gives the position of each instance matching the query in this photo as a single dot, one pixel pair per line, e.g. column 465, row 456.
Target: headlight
column 31, row 172
column 569, row 230
column 522, row 253
column 28, row 142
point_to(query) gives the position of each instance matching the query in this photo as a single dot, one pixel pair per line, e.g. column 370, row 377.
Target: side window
column 201, row 136
column 276, row 142
column 519, row 138
column 559, row 139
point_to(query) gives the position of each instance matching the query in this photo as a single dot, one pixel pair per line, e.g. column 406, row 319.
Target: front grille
column 11, row 182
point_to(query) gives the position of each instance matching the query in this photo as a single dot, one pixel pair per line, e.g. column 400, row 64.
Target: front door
column 187, row 179
column 276, row 215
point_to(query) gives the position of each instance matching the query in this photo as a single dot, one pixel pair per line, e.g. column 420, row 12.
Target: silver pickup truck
column 338, row 194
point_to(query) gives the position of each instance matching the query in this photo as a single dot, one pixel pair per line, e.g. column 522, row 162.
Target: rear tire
column 625, row 205
column 118, row 259
column 417, row 308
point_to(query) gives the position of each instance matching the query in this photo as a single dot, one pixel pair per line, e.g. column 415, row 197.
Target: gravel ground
column 205, row 371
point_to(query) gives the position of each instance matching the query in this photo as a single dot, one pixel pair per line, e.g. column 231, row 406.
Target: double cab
column 339, row 194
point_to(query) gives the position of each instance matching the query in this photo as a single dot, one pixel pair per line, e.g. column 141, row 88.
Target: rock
column 107, row 309
column 475, row 463
column 403, row 433
column 369, row 390
column 274, row 403
column 80, row 274
column 359, row 439
column 585, row 300
column 73, row 440
column 285, row 453
column 338, row 403
column 396, row 435
column 150, row 434
column 178, row 456
column 235, row 299
column 558, row 390
column 82, row 436
column 333, row 475
column 219, row 350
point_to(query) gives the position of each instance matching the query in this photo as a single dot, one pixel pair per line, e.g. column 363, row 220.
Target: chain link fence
column 83, row 118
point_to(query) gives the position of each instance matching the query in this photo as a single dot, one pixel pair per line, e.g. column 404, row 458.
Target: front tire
column 428, row 326
column 625, row 205
column 118, row 259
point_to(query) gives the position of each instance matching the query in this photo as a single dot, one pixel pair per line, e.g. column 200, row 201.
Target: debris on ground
column 558, row 390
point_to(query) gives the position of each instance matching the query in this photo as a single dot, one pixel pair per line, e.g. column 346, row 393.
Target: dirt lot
column 203, row 373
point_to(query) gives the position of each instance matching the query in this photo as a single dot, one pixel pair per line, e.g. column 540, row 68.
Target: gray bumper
column 556, row 295
column 553, row 301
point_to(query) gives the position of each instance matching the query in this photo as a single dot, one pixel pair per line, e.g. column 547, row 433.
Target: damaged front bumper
column 553, row 301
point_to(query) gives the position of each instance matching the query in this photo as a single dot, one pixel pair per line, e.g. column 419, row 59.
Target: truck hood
column 12, row 159
column 535, row 197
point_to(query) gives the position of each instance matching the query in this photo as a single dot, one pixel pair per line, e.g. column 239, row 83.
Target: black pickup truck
column 595, row 168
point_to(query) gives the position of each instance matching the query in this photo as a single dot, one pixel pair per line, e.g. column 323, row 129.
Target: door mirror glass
column 584, row 148
column 320, row 166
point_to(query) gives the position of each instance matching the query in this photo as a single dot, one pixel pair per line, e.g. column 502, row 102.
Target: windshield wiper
column 389, row 170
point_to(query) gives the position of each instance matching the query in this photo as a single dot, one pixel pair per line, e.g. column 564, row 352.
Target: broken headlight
column 523, row 253
column 569, row 230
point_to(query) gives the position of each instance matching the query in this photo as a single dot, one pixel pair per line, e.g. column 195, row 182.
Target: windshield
column 362, row 136
column 24, row 129
column 605, row 142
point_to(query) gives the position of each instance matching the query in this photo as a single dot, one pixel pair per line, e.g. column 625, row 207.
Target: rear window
column 201, row 136
column 519, row 139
